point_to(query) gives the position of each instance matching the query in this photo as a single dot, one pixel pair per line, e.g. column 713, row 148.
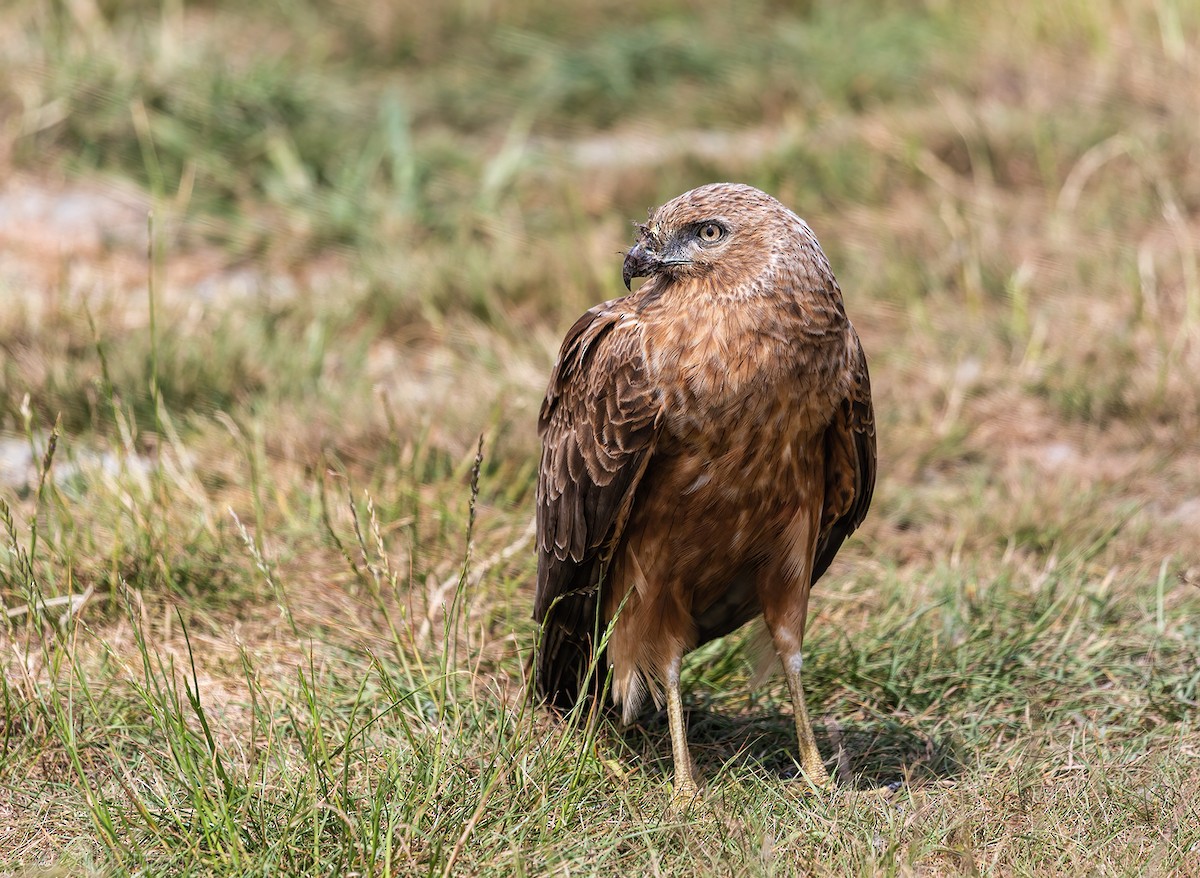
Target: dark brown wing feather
column 598, row 424
column 849, row 466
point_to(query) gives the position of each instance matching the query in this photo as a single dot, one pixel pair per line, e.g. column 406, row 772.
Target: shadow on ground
column 869, row 754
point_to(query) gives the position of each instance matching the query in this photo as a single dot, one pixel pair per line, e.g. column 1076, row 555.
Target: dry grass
column 268, row 612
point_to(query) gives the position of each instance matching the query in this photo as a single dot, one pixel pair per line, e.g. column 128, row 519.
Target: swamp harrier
column 708, row 443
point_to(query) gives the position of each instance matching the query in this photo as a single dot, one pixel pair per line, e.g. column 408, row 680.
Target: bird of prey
column 708, row 443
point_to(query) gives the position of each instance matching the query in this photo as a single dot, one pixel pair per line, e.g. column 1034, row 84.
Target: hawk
column 708, row 443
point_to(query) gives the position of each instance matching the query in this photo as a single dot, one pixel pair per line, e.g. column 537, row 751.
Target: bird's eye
column 710, row 232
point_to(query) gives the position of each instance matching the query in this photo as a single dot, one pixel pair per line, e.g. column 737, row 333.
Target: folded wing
column 598, row 423
column 849, row 464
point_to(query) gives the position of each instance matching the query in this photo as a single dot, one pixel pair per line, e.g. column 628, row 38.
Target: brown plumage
column 708, row 443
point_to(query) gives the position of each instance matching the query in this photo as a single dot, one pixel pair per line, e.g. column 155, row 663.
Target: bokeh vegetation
column 266, row 601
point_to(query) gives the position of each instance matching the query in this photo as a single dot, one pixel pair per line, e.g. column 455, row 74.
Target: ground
column 267, row 592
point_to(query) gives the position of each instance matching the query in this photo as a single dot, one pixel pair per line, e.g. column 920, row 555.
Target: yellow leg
column 685, row 784
column 810, row 757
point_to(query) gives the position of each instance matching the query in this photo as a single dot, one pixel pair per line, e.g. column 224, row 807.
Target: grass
column 266, row 596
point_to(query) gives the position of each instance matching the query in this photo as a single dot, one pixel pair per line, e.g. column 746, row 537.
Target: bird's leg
column 810, row 757
column 685, row 783
column 783, row 590
column 788, row 633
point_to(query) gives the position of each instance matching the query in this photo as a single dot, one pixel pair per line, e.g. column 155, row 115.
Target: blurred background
column 373, row 222
column 290, row 259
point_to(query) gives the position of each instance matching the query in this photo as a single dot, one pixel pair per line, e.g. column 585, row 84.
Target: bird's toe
column 887, row 790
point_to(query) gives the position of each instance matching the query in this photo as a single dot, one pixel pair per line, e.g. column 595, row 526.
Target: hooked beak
column 639, row 262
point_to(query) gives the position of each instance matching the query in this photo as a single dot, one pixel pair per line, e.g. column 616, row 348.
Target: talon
column 888, row 790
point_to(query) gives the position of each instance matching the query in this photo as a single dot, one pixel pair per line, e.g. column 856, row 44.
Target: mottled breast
column 731, row 375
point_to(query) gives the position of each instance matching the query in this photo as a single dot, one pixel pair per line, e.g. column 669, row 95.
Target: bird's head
column 727, row 232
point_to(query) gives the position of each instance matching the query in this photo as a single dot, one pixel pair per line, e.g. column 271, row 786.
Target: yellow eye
column 710, row 232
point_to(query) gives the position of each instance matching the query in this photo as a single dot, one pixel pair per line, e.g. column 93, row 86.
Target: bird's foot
column 686, row 791
column 817, row 777
column 822, row 782
column 684, row 796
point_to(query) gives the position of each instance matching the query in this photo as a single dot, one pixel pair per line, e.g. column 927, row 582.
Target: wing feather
column 598, row 423
column 850, row 460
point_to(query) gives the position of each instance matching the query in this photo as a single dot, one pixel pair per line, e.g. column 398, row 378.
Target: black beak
column 639, row 262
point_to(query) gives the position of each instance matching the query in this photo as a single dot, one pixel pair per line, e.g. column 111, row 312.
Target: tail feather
column 566, row 654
